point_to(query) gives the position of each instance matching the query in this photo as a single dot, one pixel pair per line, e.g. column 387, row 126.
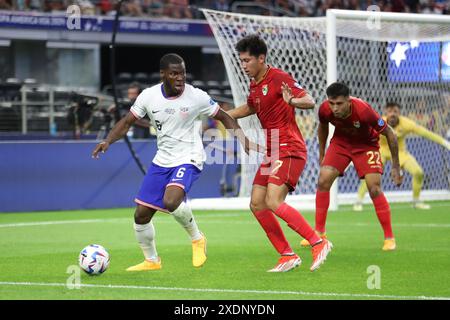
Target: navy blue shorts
column 159, row 178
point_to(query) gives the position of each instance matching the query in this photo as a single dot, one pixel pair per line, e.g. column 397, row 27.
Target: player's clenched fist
column 100, row 147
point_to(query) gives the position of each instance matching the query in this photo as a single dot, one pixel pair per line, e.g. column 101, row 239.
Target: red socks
column 384, row 214
column 322, row 204
column 273, row 230
column 297, row 223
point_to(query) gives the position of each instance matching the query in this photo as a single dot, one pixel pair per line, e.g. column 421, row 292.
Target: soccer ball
column 94, row 259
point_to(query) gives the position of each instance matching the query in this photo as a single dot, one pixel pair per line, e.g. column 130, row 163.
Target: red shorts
column 367, row 161
column 285, row 170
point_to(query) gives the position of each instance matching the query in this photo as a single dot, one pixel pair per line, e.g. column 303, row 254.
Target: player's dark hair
column 338, row 89
column 392, row 104
column 135, row 85
column 252, row 44
column 170, row 58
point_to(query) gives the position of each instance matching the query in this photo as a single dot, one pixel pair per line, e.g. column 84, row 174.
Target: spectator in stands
column 5, row 5
column 153, row 8
column 104, row 7
column 178, row 9
column 132, row 8
column 413, row 6
column 221, row 5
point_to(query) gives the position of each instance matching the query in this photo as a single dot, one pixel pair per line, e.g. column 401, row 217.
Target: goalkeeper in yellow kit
column 403, row 126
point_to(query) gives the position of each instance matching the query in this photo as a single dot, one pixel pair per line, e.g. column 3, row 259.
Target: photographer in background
column 80, row 113
column 141, row 129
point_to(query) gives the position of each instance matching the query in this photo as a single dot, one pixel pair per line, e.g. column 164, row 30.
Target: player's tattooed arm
column 391, row 138
column 231, row 124
column 117, row 132
column 241, row 111
column 322, row 133
column 305, row 102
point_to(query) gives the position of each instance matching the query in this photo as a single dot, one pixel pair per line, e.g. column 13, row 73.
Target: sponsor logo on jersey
column 381, row 122
column 169, row 110
column 184, row 112
column 265, row 89
column 356, row 124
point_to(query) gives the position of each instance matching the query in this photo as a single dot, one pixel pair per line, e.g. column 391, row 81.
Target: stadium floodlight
column 380, row 56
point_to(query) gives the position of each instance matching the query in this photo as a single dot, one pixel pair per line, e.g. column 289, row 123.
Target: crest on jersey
column 381, row 122
column 356, row 124
column 265, row 89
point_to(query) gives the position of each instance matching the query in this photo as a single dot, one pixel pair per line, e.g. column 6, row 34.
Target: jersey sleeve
column 138, row 109
column 419, row 130
column 297, row 90
column 371, row 117
column 323, row 116
column 207, row 105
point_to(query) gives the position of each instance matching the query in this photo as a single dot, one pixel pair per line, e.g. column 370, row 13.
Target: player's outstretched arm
column 322, row 132
column 117, row 132
column 391, row 138
column 241, row 112
column 305, row 102
column 231, row 124
column 427, row 134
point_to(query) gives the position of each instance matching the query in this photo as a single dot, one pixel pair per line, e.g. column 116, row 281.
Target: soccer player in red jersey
column 355, row 139
column 274, row 96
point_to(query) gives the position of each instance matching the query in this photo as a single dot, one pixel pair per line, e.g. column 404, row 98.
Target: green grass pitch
column 37, row 248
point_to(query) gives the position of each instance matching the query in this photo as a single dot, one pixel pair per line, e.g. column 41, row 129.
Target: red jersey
column 360, row 130
column 274, row 113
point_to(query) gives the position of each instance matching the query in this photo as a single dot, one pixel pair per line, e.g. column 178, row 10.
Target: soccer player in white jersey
column 174, row 108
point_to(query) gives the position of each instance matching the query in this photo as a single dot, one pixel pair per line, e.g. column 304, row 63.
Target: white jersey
column 177, row 123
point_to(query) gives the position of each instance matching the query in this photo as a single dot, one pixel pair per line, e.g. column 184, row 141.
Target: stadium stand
column 184, row 9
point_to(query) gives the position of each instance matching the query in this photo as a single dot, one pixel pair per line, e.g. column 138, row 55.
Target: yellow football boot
column 389, row 245
column 147, row 266
column 199, row 252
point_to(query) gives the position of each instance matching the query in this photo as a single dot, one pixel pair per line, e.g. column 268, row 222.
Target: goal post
column 381, row 56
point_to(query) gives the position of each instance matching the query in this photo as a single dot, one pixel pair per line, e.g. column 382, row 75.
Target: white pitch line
column 212, row 221
column 299, row 293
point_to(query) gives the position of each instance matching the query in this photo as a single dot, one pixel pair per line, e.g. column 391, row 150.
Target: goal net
column 381, row 56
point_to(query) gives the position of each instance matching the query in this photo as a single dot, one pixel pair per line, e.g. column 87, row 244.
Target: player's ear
column 262, row 58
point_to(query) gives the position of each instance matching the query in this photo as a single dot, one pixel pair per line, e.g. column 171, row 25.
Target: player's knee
column 418, row 174
column 375, row 191
column 272, row 203
column 256, row 206
column 142, row 215
column 172, row 204
column 324, row 184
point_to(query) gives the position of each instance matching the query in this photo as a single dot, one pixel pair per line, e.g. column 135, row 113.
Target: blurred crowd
column 185, row 9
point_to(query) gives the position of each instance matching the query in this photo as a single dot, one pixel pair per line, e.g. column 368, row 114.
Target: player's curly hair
column 170, row 58
column 338, row 89
column 252, row 44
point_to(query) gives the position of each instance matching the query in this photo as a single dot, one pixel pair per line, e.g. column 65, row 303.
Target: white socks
column 145, row 235
column 183, row 214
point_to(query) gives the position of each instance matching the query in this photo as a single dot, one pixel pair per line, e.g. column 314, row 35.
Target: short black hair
column 338, row 89
column 253, row 44
column 170, row 58
column 392, row 104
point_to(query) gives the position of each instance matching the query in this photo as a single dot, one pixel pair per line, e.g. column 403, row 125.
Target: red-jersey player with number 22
column 355, row 139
